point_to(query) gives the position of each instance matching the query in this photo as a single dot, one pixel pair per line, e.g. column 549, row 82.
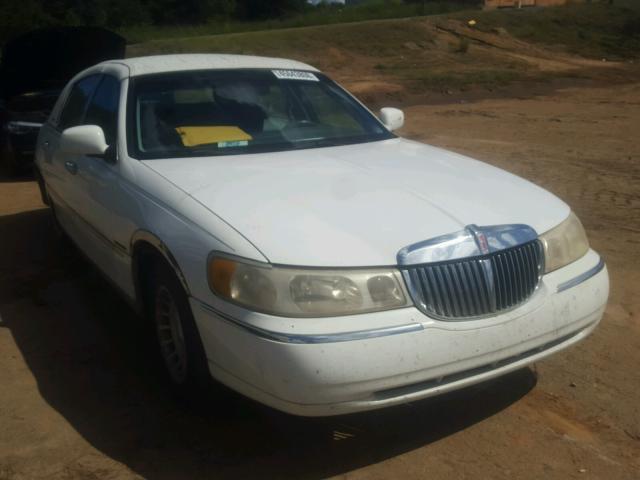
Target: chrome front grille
column 476, row 286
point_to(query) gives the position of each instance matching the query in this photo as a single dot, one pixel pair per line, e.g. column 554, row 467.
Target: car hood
column 357, row 205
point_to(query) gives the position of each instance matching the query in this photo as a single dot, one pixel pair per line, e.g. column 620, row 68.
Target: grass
column 596, row 30
column 307, row 44
column 414, row 54
column 406, row 54
column 323, row 15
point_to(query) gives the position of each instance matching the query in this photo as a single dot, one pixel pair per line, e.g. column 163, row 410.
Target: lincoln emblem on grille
column 475, row 272
column 480, row 238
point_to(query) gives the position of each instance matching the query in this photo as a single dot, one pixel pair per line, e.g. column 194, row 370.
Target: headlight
column 564, row 244
column 294, row 292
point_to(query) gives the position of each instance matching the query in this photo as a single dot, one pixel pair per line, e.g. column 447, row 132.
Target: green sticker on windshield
column 237, row 143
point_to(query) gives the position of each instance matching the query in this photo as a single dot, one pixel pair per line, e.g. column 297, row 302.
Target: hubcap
column 170, row 335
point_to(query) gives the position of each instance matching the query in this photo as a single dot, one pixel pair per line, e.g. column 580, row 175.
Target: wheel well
column 145, row 258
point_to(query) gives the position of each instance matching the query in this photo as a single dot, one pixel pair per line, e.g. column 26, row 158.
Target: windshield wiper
column 255, row 148
column 335, row 142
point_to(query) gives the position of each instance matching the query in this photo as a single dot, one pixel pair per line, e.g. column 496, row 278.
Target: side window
column 75, row 106
column 103, row 108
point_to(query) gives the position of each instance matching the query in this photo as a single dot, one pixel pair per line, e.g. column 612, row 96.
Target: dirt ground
column 81, row 396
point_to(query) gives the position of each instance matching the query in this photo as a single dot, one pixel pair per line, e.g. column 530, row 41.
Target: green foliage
column 21, row 16
column 425, row 4
column 259, row 9
column 631, row 27
column 593, row 29
column 309, row 16
column 185, row 12
column 139, row 20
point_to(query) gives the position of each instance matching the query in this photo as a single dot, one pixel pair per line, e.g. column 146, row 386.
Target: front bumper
column 408, row 357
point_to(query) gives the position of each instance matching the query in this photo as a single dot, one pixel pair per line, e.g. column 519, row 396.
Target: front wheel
column 178, row 338
column 170, row 334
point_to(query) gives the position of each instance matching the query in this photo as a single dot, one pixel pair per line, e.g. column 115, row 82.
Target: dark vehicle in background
column 34, row 68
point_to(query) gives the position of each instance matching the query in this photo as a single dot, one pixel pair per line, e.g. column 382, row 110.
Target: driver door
column 104, row 200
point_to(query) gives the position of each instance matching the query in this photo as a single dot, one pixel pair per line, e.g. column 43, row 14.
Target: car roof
column 176, row 63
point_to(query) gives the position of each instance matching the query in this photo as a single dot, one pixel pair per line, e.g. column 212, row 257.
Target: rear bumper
column 327, row 377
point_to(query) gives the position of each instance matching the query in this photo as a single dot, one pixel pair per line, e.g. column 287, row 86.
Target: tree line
column 18, row 16
column 21, row 15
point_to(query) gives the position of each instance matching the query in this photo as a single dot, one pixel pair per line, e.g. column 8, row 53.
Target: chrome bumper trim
column 583, row 277
column 314, row 338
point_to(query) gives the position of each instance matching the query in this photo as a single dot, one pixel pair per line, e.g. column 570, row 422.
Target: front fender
column 182, row 230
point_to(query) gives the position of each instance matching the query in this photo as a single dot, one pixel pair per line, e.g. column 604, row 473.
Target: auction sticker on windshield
column 295, row 75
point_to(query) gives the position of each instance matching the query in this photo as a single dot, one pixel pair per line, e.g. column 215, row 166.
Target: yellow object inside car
column 194, row 136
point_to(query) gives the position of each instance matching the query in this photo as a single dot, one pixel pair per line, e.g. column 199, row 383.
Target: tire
column 178, row 340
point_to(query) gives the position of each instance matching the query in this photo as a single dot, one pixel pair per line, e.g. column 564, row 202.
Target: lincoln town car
column 285, row 242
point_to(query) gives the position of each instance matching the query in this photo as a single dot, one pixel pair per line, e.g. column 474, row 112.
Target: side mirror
column 84, row 140
column 392, row 118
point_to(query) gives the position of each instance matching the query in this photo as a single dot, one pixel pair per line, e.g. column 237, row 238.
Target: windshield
column 222, row 112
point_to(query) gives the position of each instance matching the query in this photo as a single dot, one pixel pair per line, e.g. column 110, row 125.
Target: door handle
column 71, row 167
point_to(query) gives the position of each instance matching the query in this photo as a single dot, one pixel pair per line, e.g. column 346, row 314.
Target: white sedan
column 287, row 244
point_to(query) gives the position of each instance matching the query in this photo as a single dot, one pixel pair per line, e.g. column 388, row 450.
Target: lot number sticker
column 295, row 75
